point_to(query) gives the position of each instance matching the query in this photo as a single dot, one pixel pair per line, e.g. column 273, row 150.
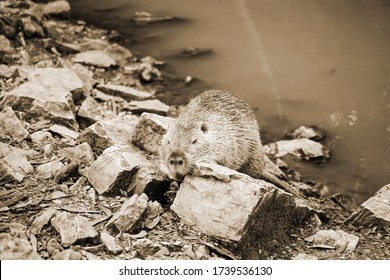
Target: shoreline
column 100, row 84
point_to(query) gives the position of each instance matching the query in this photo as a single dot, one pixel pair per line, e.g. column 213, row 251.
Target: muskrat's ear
column 204, row 127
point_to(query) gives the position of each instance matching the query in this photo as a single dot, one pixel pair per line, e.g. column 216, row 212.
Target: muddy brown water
column 312, row 62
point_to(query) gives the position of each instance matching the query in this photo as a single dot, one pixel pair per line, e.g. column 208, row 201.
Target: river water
column 312, row 62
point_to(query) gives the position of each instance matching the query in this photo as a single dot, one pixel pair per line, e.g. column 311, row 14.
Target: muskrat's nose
column 176, row 158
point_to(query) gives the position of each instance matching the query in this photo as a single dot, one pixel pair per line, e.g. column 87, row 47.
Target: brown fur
column 218, row 127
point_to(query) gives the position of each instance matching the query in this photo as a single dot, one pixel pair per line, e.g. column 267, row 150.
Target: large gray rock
column 73, row 228
column 114, row 169
column 81, row 154
column 109, row 132
column 53, row 77
column 245, row 213
column 38, row 101
column 149, row 132
column 11, row 126
column 130, row 216
column 375, row 211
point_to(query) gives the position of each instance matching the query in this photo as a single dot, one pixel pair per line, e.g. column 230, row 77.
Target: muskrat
column 221, row 128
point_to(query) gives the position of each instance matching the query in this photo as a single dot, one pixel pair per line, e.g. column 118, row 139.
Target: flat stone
column 154, row 106
column 375, row 211
column 127, row 93
column 54, row 77
column 14, row 248
column 302, row 148
column 149, row 132
column 57, row 8
column 95, row 58
column 37, row 102
column 130, row 216
column 73, row 228
column 14, row 167
column 64, row 131
column 109, row 132
column 65, row 48
column 11, row 126
column 245, row 213
column 82, row 154
column 114, row 169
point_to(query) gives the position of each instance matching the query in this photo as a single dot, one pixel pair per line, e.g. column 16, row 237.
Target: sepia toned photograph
column 195, row 130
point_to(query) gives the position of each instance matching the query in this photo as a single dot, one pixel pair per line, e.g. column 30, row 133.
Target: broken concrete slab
column 73, row 228
column 109, row 132
column 149, row 132
column 130, row 216
column 154, row 106
column 95, row 58
column 373, row 212
column 37, row 102
column 127, row 93
column 11, row 126
column 114, row 169
column 244, row 213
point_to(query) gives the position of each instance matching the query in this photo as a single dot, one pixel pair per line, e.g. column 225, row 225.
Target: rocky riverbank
column 80, row 125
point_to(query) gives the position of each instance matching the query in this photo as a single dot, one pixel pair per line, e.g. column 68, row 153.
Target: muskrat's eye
column 193, row 142
column 204, row 127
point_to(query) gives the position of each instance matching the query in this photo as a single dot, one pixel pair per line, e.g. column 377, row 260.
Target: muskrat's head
column 181, row 147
